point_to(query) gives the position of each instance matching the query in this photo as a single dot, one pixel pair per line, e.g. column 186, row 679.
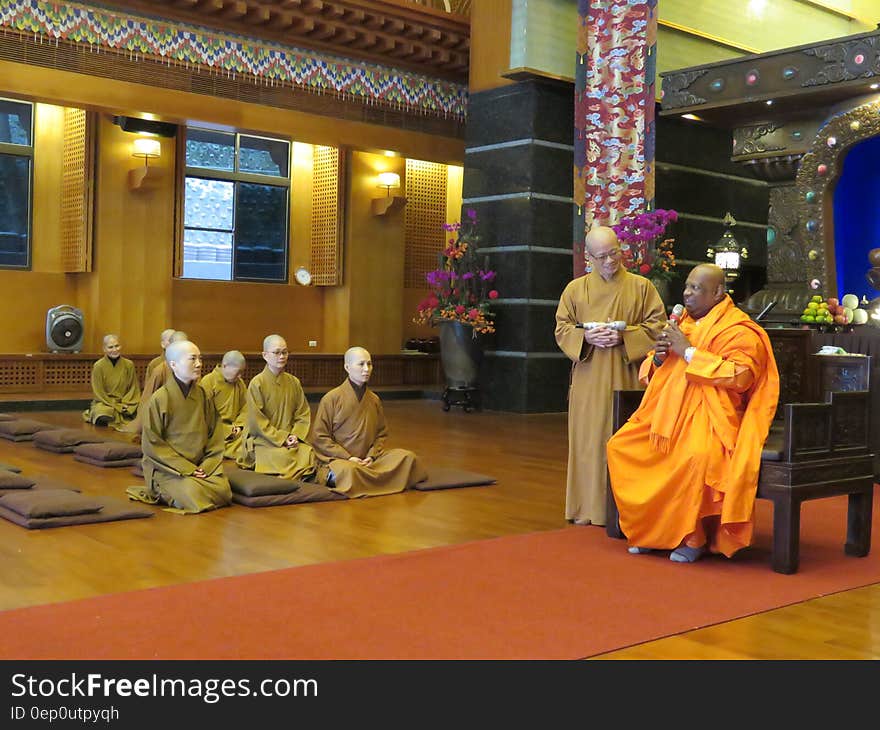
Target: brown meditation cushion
column 49, row 503
column 23, row 429
column 307, row 492
column 112, row 509
column 109, row 451
column 105, row 463
column 11, row 480
column 43, row 483
column 10, row 467
column 445, row 477
column 66, row 438
column 6, row 417
column 252, row 484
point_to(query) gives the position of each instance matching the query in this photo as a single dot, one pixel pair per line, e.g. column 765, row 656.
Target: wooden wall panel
column 76, row 191
column 328, row 195
column 221, row 316
column 425, row 215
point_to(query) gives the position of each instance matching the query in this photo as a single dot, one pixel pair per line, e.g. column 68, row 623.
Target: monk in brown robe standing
column 225, row 387
column 159, row 360
column 684, row 468
column 278, row 420
column 349, row 436
column 603, row 360
column 114, row 386
column 183, row 439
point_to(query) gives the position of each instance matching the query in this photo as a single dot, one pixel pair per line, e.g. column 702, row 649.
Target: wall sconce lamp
column 389, row 181
column 728, row 253
column 148, row 148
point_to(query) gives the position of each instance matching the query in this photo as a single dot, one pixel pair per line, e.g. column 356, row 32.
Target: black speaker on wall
column 64, row 329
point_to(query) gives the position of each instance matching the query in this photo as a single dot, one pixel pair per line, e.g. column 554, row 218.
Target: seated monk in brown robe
column 183, row 440
column 159, row 360
column 278, row 420
column 225, row 386
column 156, row 378
column 349, row 434
column 114, row 387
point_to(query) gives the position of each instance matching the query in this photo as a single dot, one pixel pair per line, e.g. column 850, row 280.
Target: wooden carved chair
column 821, row 450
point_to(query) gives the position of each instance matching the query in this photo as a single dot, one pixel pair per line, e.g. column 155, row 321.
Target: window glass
column 208, row 203
column 211, row 150
column 15, row 122
column 207, row 254
column 264, row 156
column 261, row 232
column 15, row 198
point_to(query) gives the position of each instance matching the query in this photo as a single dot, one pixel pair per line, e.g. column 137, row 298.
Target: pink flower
column 493, row 294
column 474, row 313
column 459, row 309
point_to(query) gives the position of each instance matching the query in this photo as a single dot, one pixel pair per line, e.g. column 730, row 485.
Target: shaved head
column 358, row 365
column 271, row 340
column 603, row 251
column 177, row 336
column 703, row 289
column 185, row 360
column 107, row 339
column 176, row 350
column 165, row 337
column 600, row 237
column 353, row 354
column 233, row 357
column 710, row 274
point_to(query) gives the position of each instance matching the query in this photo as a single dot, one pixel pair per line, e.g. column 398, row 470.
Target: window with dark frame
column 236, row 207
column 16, row 182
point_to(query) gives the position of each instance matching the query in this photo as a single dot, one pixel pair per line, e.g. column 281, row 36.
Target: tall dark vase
column 461, row 354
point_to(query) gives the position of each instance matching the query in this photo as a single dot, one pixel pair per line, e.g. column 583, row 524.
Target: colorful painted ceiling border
column 265, row 63
column 614, row 114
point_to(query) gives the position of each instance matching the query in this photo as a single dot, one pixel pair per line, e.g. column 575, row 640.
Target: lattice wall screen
column 327, row 209
column 76, row 191
column 425, row 216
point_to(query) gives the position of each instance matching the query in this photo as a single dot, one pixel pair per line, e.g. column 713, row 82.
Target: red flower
column 459, row 309
column 493, row 294
column 644, row 268
column 474, row 313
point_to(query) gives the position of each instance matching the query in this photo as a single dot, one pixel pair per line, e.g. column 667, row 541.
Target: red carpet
column 564, row 594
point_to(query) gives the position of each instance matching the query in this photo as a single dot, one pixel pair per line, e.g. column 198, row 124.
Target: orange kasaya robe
column 693, row 448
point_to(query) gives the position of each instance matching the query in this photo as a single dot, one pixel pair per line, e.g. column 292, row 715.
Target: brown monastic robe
column 229, row 400
column 277, row 408
column 181, row 434
column 116, row 391
column 156, row 378
column 151, row 366
column 347, row 426
column 597, row 371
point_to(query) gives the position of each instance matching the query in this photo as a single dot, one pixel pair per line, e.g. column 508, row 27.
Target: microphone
column 675, row 316
column 765, row 311
column 617, row 324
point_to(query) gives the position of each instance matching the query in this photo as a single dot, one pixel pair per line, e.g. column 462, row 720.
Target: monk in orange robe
column 684, row 468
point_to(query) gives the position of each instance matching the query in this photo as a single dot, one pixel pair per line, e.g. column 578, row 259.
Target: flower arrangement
column 460, row 288
column 642, row 243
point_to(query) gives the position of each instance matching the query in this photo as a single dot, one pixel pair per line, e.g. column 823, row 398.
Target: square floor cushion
column 63, row 440
column 108, row 454
column 23, row 429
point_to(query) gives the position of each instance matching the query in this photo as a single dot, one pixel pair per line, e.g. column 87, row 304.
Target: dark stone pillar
column 518, row 178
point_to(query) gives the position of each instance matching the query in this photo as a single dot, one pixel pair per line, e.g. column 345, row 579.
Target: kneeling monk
column 349, row 437
column 183, row 440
